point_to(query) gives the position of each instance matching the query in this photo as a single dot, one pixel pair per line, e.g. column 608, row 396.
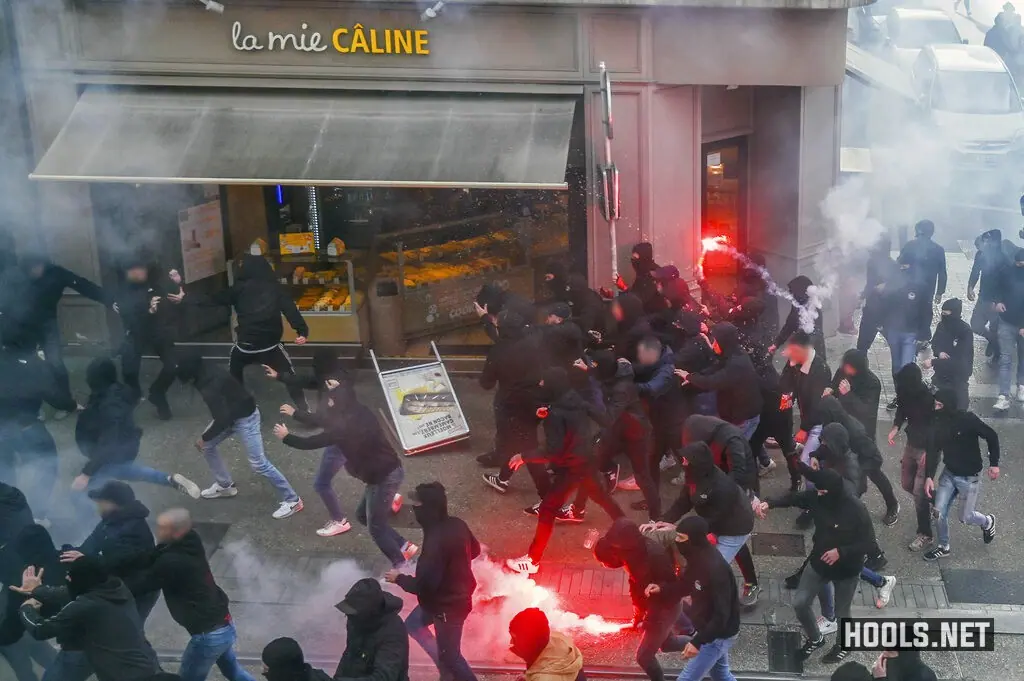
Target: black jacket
column 624, row 411
column 880, row 269
column 589, row 310
column 567, row 434
column 133, row 308
column 915, row 406
column 660, row 389
column 865, row 391
column 325, row 365
column 708, row 580
column 799, row 288
column 989, row 261
column 181, row 570
column 514, row 364
column 26, row 382
column 443, row 582
column 1010, row 291
column 30, row 545
column 15, row 513
column 635, row 324
column 733, row 379
column 102, row 623
column 953, row 336
column 644, row 287
column 731, row 450
column 712, row 494
column 841, row 521
column 226, row 398
column 645, row 560
column 377, row 644
column 908, row 666
column 751, row 309
column 902, row 309
column 927, row 262
column 106, row 432
column 806, row 383
column 956, row 441
column 27, row 304
column 835, row 454
column 869, row 457
column 120, row 538
column 693, row 351
column 355, row 429
column 259, row 301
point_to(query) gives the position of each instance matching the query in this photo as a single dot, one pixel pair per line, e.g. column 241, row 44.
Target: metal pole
column 611, row 222
column 612, row 184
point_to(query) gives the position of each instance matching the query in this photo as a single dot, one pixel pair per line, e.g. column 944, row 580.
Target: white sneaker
column 396, row 503
column 524, row 565
column 287, row 508
column 1002, row 403
column 827, row 626
column 334, row 527
column 667, row 462
column 1020, row 393
column 185, row 486
column 883, row 594
column 409, row 551
column 215, row 491
column 765, row 470
column 628, row 485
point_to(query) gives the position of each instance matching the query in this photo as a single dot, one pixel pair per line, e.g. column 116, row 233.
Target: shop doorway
column 724, row 205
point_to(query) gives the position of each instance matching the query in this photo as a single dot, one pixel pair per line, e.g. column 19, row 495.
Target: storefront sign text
column 345, row 40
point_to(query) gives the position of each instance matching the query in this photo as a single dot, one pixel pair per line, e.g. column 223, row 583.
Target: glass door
column 724, row 203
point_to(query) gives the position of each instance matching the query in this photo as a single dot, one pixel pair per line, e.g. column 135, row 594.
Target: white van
column 908, row 31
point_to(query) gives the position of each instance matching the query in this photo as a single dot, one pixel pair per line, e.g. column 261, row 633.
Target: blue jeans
column 374, row 512
column 902, row 348
column 730, row 546
column 949, row 487
column 68, row 665
column 446, row 649
column 21, row 654
column 204, row 650
column 248, row 430
column 712, row 661
column 706, row 404
column 332, row 461
column 1009, row 338
column 130, row 472
column 811, row 445
column 749, row 427
column 28, row 459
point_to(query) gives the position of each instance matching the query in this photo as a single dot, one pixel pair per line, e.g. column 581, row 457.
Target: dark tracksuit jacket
column 30, row 545
column 806, row 383
column 1009, row 291
column 953, row 336
column 644, row 287
column 865, row 391
column 142, row 328
column 646, row 562
column 660, row 388
column 927, row 260
column 712, row 494
column 989, row 260
column 730, row 449
column 122, row 538
column 956, row 441
column 25, row 383
column 902, row 309
column 376, row 643
column 105, row 431
column 733, row 379
column 869, row 457
column 226, row 398
column 514, row 366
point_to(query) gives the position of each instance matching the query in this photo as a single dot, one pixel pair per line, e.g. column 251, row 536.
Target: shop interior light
column 280, row 195
column 213, row 6
column 314, row 216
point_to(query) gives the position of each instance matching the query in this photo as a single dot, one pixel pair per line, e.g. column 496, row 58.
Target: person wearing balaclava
column 97, row 626
column 443, row 582
column 927, row 262
column 989, row 262
column 259, row 301
column 644, row 287
column 750, row 308
column 492, row 299
column 353, row 438
column 283, row 660
column 549, row 655
column 851, row 671
column 108, row 437
column 901, row 319
column 567, row 450
column 843, row 536
column 674, row 292
column 880, row 269
column 1009, row 300
column 589, row 310
column 858, row 390
column 556, row 281
column 376, row 645
column 902, row 665
column 958, row 433
column 915, row 413
column 953, row 347
column 714, row 611
column 694, row 352
column 802, row 307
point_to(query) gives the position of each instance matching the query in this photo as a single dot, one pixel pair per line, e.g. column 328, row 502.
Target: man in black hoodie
column 927, row 262
column 97, row 626
column 644, row 286
column 234, row 411
column 567, row 435
column 492, row 300
column 901, row 323
column 751, row 308
column 730, row 448
column 858, row 390
column 953, row 346
column 715, row 607
column 646, row 561
column 107, row 436
column 989, row 262
column 880, row 269
column 259, row 300
column 376, row 644
column 801, row 308
column 674, row 292
column 733, row 380
column 1009, row 300
column 443, row 583
column 957, row 433
column 915, row 409
column 843, row 536
column 283, row 660
column 178, row 567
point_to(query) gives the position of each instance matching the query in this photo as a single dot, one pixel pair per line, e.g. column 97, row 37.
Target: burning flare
column 711, row 243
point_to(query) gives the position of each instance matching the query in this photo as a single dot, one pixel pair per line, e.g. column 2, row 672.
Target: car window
column 975, row 92
column 914, row 34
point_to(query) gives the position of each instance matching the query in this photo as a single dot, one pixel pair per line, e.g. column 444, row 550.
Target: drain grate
column 782, row 648
column 777, row 544
column 212, row 534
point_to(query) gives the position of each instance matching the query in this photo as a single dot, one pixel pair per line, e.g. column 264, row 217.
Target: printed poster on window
column 202, row 241
column 423, row 406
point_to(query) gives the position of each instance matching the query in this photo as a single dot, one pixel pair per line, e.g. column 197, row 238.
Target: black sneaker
column 892, row 405
column 569, row 514
column 804, row 521
column 490, row 460
column 494, row 481
column 876, row 563
column 532, row 510
column 793, row 581
column 835, row 655
column 808, row 648
column 989, row 533
column 794, row 486
column 891, row 516
column 163, row 409
column 750, row 594
column 938, row 551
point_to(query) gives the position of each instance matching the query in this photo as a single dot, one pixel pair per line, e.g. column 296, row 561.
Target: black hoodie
column 953, row 336
column 325, row 365
column 841, row 521
column 835, row 454
column 634, row 326
column 806, row 383
column 26, row 381
column 865, row 390
column 225, row 397
column 134, row 311
column 927, row 260
column 624, row 409
column 284, row 661
column 121, row 537
column 798, row 288
column 712, row 494
column 259, row 300
column 377, row 644
column 15, row 514
column 902, row 311
column 1010, row 291
column 660, row 388
column 444, row 582
column 181, row 570
column 644, row 287
column 567, row 430
column 708, row 580
column 645, row 560
column 733, row 380
column 514, row 364
column 100, row 620
column 869, row 457
column 989, row 262
column 106, row 432
column 589, row 310
column 956, row 439
column 915, row 406
column 731, row 450
column 27, row 304
column 908, row 666
column 30, row 546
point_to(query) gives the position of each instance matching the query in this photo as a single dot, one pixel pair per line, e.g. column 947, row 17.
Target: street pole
column 609, row 174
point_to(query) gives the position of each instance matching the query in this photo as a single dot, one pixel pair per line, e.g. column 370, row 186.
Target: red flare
column 711, row 243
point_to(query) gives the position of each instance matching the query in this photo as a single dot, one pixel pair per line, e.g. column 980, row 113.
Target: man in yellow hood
column 549, row 655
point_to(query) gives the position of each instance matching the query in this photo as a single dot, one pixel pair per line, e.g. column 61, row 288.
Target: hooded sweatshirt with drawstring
column 105, row 431
column 730, row 449
column 284, row 661
column 712, row 494
column 226, row 398
column 443, row 582
column 865, row 390
column 732, row 379
column 121, row 536
column 952, row 337
column 377, row 643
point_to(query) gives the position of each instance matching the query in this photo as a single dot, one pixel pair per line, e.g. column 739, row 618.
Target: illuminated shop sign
column 356, row 39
